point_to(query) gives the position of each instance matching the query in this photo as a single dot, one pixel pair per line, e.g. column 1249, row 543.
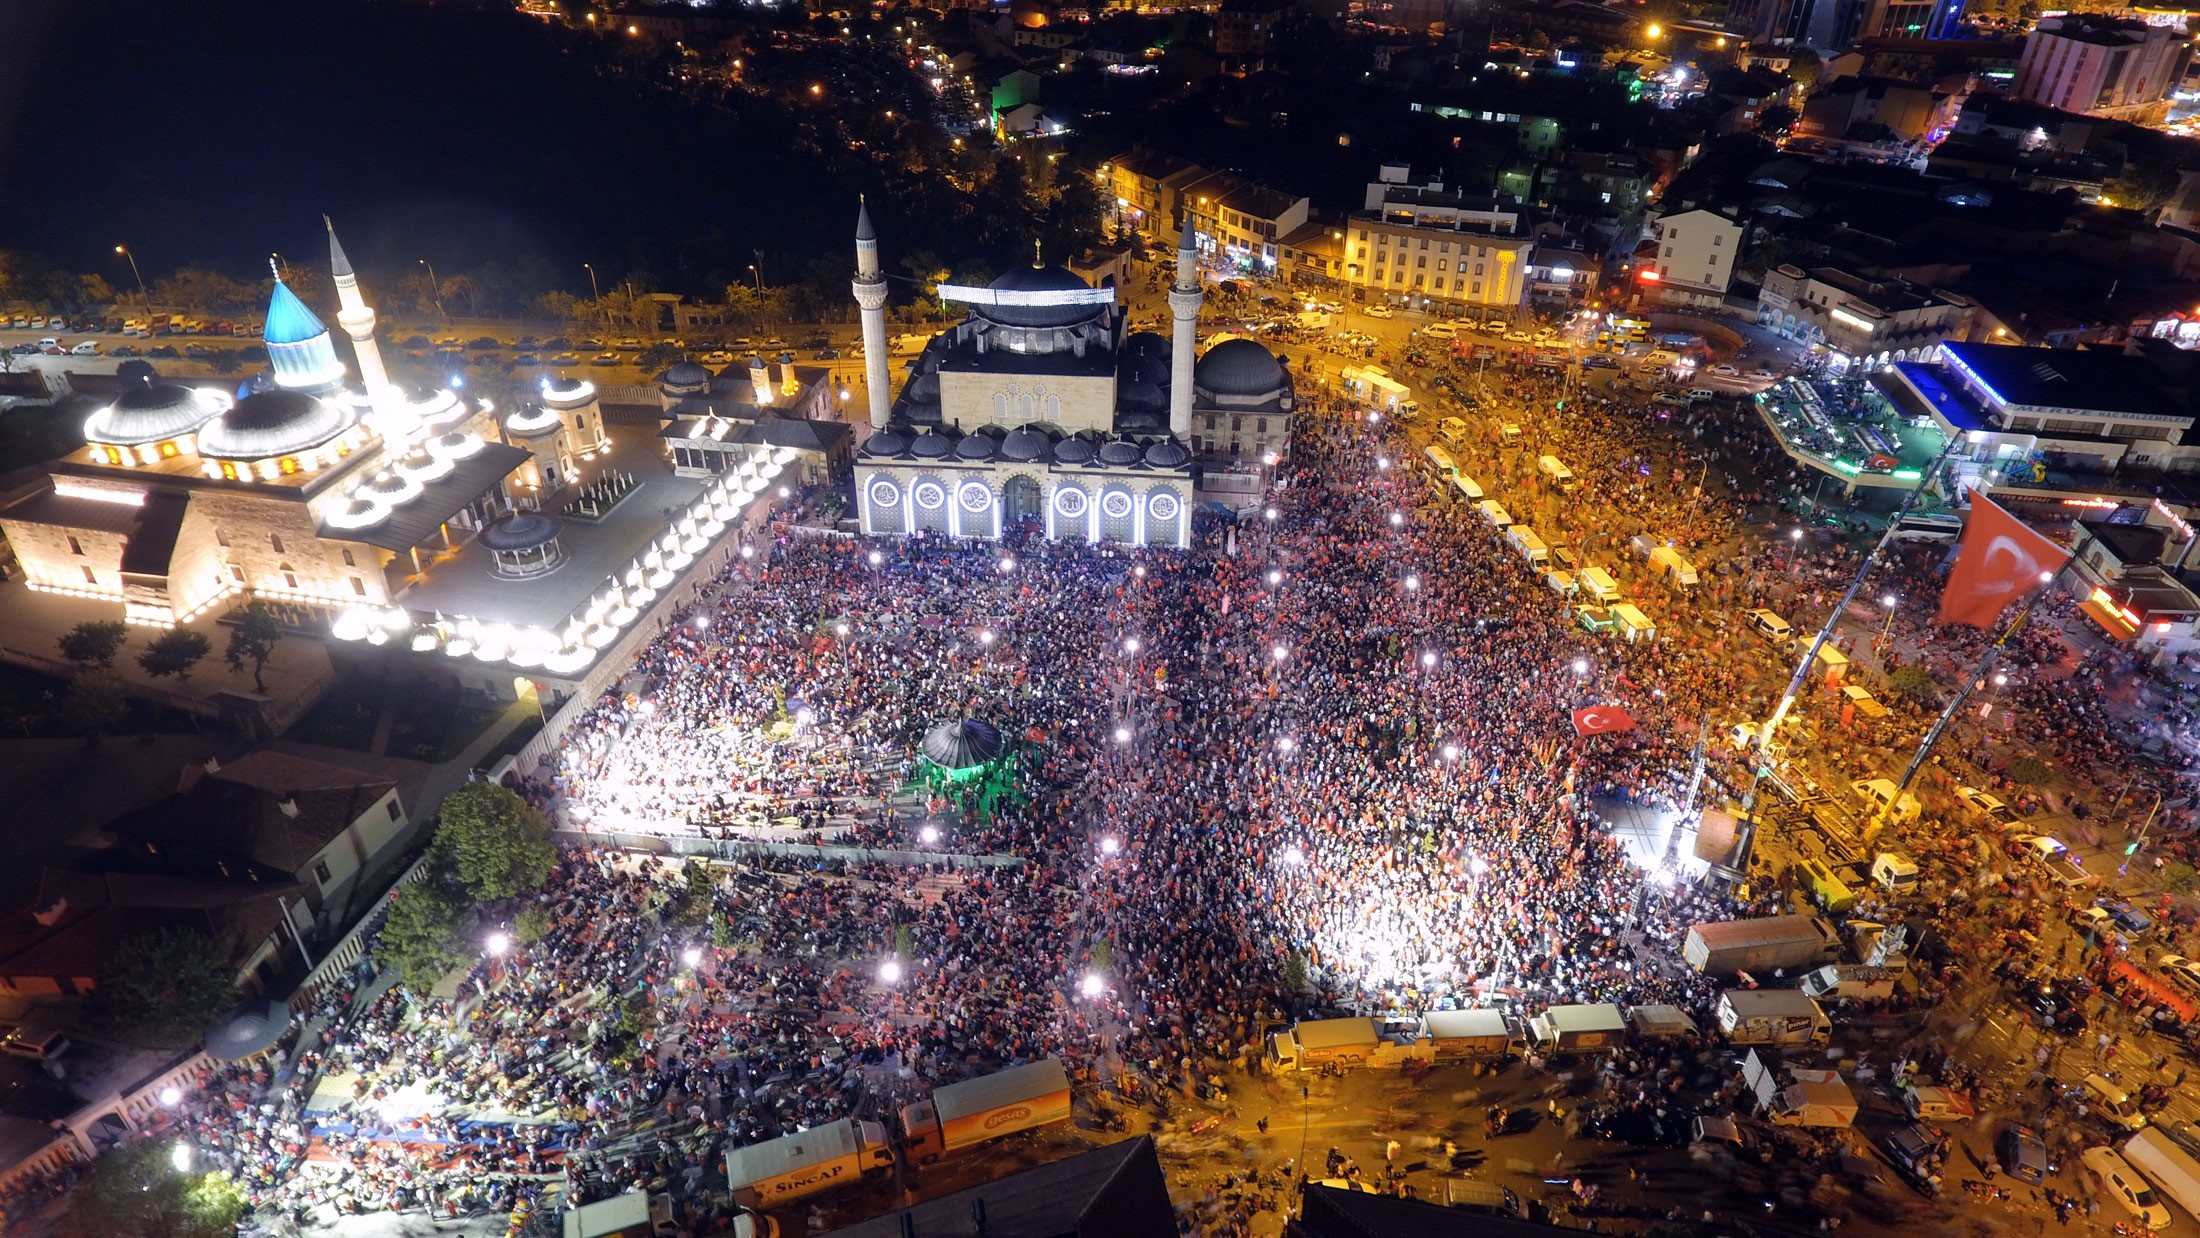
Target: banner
column 1999, row 560
column 1601, row 719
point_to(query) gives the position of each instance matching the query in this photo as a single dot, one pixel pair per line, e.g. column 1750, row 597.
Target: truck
column 2170, row 1168
column 1315, row 1044
column 1667, row 563
column 1791, row 1096
column 1659, row 1021
column 1849, row 982
column 964, row 1115
column 1375, row 385
column 2056, row 858
column 1468, row 1035
column 1894, row 873
column 1599, row 585
column 1557, row 473
column 791, row 1167
column 1768, row 943
column 1578, row 1029
column 636, row 1214
column 1782, row 1017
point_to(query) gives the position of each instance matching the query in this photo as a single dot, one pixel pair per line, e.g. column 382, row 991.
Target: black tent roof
column 963, row 744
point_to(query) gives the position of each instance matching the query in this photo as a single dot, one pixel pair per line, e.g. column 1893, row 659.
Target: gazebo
column 966, row 761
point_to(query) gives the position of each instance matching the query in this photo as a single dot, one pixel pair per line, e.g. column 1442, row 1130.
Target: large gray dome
column 1025, row 444
column 273, row 423
column 150, row 413
column 685, row 374
column 1239, row 367
column 1039, row 280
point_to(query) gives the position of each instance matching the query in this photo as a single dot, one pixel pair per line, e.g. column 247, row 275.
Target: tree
column 497, row 844
column 1294, row 973
column 658, row 356
column 561, row 306
column 93, row 643
column 163, row 988
column 420, row 938
column 253, row 640
column 2030, row 771
column 2144, row 186
column 530, row 925
column 698, row 895
column 174, row 652
column 136, row 1189
column 1914, row 682
column 96, row 703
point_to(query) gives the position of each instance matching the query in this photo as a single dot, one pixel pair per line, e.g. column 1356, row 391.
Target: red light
column 1649, row 275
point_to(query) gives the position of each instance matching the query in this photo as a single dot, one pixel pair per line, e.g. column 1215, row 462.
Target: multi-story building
column 1242, row 30
column 1242, row 223
column 1695, row 259
column 1910, row 19
column 1859, row 320
column 2102, row 66
column 1146, row 190
column 1420, row 246
column 1907, row 111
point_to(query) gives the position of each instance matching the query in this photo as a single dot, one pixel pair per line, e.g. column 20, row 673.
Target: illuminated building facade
column 1860, row 320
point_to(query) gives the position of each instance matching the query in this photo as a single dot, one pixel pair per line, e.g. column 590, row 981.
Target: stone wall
column 49, row 558
column 1077, row 403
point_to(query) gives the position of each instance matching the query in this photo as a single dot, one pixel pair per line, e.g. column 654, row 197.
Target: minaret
column 1184, row 301
column 356, row 317
column 870, row 290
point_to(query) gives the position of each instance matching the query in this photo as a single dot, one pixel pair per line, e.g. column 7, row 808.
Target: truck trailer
column 2172, row 1171
column 963, row 1115
column 1579, row 1029
column 1318, row 1044
column 1466, row 1035
column 1768, row 943
column 1782, row 1017
column 791, row 1167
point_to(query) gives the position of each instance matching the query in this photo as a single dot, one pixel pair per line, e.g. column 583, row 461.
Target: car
column 244, row 330
column 1518, row 337
column 716, row 356
column 89, row 348
column 2184, row 1134
column 630, row 344
column 556, row 343
column 163, row 352
column 588, row 345
column 1762, row 376
column 2127, row 917
column 486, row 359
column 565, row 358
column 24, row 350
column 525, row 343
column 744, row 344
column 1985, row 805
column 2111, row 1103
column 450, row 343
column 818, row 341
column 1917, row 1152
column 1724, row 371
column 1380, row 311
column 480, row 342
column 2023, row 1154
column 413, row 341
column 1598, row 361
column 606, row 359
column 526, row 358
column 775, row 344
column 2120, row 1182
column 826, row 354
column 1768, row 625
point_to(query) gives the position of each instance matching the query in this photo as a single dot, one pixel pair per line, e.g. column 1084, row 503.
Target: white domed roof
column 153, row 412
column 274, row 423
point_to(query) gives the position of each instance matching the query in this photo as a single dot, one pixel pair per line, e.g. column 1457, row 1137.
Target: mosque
column 1043, row 406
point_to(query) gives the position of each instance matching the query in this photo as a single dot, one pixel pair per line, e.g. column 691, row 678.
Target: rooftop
column 2088, row 380
column 1108, row 1191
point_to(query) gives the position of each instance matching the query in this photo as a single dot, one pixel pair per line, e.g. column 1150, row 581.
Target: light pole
column 1887, row 630
column 131, row 258
column 594, row 293
column 435, row 290
column 758, row 277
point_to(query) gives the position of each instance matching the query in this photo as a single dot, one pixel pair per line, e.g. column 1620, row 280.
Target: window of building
column 1421, row 262
column 394, row 810
column 168, row 450
column 75, row 547
column 358, row 586
column 321, row 872
column 1717, row 240
column 290, row 580
column 275, row 541
column 89, row 578
column 348, row 560
column 221, row 537
column 236, row 573
column 1478, row 289
column 1442, row 265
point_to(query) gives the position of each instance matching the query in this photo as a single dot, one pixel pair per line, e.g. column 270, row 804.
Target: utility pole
column 124, row 250
column 435, row 291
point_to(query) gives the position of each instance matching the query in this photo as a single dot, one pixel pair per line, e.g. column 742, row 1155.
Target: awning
column 2113, row 619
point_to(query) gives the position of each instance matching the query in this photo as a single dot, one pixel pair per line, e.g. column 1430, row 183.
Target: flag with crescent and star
column 1602, row 720
column 2001, row 559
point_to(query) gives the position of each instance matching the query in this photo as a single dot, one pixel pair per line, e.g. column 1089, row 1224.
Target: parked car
column 525, row 343
column 826, row 354
column 556, row 343
column 450, row 343
column 565, row 358
column 606, row 359
column 1380, row 311
column 630, row 344
column 413, row 341
column 2121, row 1183
column 526, row 358
column 2023, row 1154
column 482, row 341
column 161, row 352
column 1725, row 371
column 1987, row 807
column 89, row 348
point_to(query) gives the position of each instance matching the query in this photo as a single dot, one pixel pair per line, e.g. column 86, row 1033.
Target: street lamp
column 1413, row 583
column 1581, row 666
column 131, row 258
column 1382, row 464
column 435, row 290
column 594, row 293
column 1287, row 745
column 1111, row 845
column 874, row 558
column 1279, row 653
column 171, row 1096
column 1888, row 601
column 1397, row 520
column 1007, row 564
column 692, row 957
column 1275, row 577
column 1122, row 734
column 180, row 1157
column 758, row 277
column 889, row 972
column 929, row 835
column 1428, row 660
column 841, row 630
column 1294, row 855
column 499, row 944
column 1451, row 752
column 1092, row 985
column 702, row 623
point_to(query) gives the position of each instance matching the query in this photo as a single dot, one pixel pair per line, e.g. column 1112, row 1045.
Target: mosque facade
column 1042, row 406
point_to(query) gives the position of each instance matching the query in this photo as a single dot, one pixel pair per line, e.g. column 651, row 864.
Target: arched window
column 1054, row 408
column 1000, row 406
column 288, row 465
column 1023, row 406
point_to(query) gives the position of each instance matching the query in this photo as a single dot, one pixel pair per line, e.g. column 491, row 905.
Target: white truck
column 1790, row 1096
column 1849, row 982
column 1779, row 1017
column 1579, row 1029
column 1468, row 1035
column 791, row 1167
column 1315, row 1044
column 2170, row 1168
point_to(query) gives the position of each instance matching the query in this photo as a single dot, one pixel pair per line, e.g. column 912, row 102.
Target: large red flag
column 1599, row 719
column 2001, row 559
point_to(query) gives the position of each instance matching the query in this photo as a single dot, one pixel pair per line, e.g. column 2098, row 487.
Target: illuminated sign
column 1860, row 323
column 1648, row 275
column 2177, row 522
column 1005, row 296
column 2092, row 503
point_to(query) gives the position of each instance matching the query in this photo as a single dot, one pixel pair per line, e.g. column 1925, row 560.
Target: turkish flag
column 2000, row 560
column 1600, row 719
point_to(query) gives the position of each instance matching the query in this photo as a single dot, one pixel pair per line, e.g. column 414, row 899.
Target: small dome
column 151, row 412
column 1167, row 455
column 566, row 392
column 685, row 374
column 932, row 445
column 1072, row 451
column 389, row 486
column 1120, row 454
column 1239, row 367
column 978, row 446
column 1146, row 345
column 136, row 371
column 1025, row 445
column 1142, row 421
column 886, row 443
column 273, row 423
column 1040, row 280
column 521, row 531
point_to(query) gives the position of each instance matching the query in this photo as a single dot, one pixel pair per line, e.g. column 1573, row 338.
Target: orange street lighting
column 1653, row 31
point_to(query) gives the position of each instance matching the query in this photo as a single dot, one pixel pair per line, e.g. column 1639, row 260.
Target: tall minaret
column 1184, row 301
column 870, row 290
column 357, row 319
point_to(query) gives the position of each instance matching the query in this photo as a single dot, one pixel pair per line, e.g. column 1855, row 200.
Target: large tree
column 420, row 938
column 138, row 1189
column 174, row 652
column 93, row 643
column 163, row 988
column 253, row 640
column 497, row 844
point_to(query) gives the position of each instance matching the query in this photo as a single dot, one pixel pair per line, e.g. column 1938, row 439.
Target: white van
column 1558, row 473
column 1467, row 487
column 1633, row 624
column 2167, row 1166
column 1495, row 513
column 1768, row 625
column 1877, row 793
column 1527, row 543
column 1452, row 430
column 1440, row 331
column 2113, row 1103
column 1599, row 584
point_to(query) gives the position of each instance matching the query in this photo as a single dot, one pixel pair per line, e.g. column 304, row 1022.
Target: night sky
column 211, row 134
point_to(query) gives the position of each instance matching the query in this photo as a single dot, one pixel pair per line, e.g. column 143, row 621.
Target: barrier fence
column 732, row 849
